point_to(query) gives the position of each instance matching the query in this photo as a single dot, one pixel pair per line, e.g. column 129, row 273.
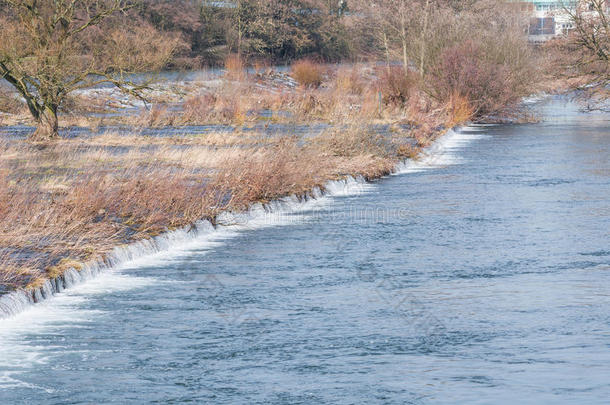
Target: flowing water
column 480, row 275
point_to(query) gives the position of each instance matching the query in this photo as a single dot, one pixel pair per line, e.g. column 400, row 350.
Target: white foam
column 444, row 152
column 202, row 236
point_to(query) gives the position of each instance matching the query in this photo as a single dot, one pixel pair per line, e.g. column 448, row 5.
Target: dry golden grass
column 14, row 274
column 307, row 73
column 349, row 80
column 352, row 141
column 233, row 103
column 349, row 94
column 364, row 95
column 64, row 203
column 235, row 68
column 459, row 110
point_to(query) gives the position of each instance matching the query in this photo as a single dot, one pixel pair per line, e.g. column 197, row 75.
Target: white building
column 549, row 18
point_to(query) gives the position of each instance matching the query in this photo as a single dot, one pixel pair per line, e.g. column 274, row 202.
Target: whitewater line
column 275, row 213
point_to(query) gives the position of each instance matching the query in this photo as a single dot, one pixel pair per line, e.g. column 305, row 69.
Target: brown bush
column 157, row 115
column 396, row 85
column 199, row 107
column 307, row 73
column 464, row 71
column 349, row 80
column 227, row 106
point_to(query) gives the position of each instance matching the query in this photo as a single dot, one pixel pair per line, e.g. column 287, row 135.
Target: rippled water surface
column 481, row 277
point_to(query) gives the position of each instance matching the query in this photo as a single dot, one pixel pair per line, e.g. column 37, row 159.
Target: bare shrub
column 396, row 85
column 199, row 107
column 307, row 73
column 464, row 71
column 309, row 105
column 349, row 80
column 156, row 116
column 231, row 104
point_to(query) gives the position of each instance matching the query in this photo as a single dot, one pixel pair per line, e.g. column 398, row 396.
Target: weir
column 259, row 215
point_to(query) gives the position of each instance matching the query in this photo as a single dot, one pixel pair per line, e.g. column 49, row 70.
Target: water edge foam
column 259, row 215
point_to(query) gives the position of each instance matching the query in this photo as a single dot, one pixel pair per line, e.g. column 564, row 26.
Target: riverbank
column 233, row 214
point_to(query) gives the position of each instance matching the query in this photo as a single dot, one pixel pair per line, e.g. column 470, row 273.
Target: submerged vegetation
column 415, row 69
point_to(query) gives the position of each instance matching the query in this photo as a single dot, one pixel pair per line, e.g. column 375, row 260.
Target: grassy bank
column 73, row 200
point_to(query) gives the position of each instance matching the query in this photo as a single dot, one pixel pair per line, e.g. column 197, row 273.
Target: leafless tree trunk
column 393, row 20
column 588, row 46
column 50, row 49
column 424, row 32
column 386, row 47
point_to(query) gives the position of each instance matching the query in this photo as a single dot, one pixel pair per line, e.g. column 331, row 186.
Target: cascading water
column 439, row 154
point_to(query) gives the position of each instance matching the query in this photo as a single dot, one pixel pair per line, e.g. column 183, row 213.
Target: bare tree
column 52, row 48
column 588, row 45
column 424, row 32
column 393, row 22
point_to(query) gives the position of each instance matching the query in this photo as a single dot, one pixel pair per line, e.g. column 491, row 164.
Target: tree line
column 276, row 30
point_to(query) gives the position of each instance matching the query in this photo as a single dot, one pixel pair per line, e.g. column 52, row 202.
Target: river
column 482, row 276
